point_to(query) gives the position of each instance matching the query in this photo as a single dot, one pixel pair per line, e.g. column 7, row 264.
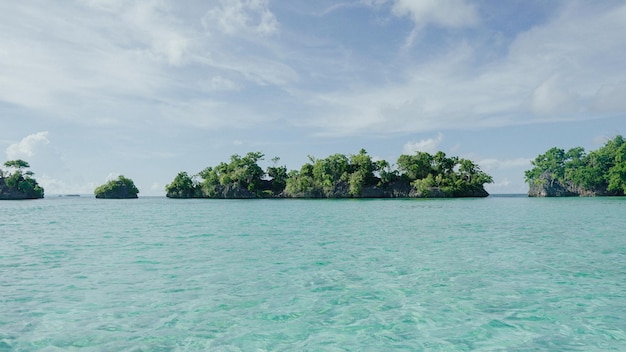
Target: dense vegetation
column 15, row 183
column 336, row 176
column 242, row 177
column 120, row 188
column 575, row 172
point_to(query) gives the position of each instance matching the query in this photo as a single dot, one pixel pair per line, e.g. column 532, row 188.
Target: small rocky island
column 421, row 175
column 575, row 173
column 16, row 184
column 121, row 188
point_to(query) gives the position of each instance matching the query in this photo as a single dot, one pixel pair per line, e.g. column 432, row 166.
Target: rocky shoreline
column 341, row 190
column 549, row 187
column 7, row 193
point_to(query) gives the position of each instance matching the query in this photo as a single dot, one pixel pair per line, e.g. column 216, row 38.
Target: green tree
column 617, row 172
column 415, row 167
column 182, row 187
column 425, row 185
column 337, row 175
column 328, row 172
column 551, row 162
column 442, row 164
column 364, row 163
column 386, row 173
column 19, row 180
column 439, row 174
column 301, row 183
column 18, row 164
column 362, row 172
column 597, row 172
column 278, row 176
column 356, row 182
column 245, row 171
column 121, row 187
column 471, row 174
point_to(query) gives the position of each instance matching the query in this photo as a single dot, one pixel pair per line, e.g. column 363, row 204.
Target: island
column 121, row 188
column 421, row 175
column 558, row 173
column 16, row 184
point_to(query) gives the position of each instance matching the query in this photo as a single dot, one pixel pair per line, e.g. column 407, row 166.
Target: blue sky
column 90, row 89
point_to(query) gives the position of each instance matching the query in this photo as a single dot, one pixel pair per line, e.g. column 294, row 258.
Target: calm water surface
column 154, row 274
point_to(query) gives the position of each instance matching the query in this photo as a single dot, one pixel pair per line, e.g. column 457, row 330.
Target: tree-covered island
column 120, row 188
column 15, row 183
column 601, row 172
column 421, row 175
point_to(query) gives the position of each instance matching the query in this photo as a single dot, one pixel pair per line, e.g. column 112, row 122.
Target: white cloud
column 241, row 17
column 214, row 114
column 502, row 183
column 157, row 26
column 108, row 5
column 488, row 165
column 610, row 98
column 568, row 69
column 552, row 97
column 139, row 76
column 219, row 83
column 112, row 176
column 28, row 146
column 508, row 174
column 430, row 145
column 441, row 13
column 112, row 63
column 343, row 5
column 445, row 13
column 151, row 24
column 87, row 64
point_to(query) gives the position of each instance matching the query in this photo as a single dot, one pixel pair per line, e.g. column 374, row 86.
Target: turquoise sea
column 155, row 274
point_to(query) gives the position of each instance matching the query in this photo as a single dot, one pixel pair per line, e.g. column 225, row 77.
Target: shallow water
column 156, row 274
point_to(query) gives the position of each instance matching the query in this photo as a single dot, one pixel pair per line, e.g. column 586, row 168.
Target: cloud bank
column 159, row 78
column 147, row 57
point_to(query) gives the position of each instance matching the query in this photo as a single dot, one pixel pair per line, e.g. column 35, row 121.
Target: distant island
column 558, row 173
column 421, row 175
column 121, row 188
column 15, row 183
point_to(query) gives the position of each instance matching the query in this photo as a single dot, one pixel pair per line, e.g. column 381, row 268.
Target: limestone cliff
column 397, row 189
column 546, row 186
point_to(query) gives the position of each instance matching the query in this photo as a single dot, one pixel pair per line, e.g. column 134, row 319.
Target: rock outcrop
column 12, row 193
column 341, row 190
column 234, row 191
column 546, row 186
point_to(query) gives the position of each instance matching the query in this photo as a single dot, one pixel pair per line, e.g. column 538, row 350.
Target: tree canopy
column 15, row 183
column 183, row 186
column 242, row 177
column 17, row 164
column 119, row 188
column 452, row 176
column 602, row 171
column 336, row 176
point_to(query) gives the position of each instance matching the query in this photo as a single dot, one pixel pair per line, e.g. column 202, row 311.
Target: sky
column 91, row 89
